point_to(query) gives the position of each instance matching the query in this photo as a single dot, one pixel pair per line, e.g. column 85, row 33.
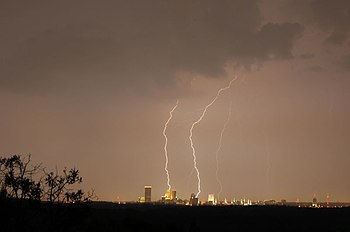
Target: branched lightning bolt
column 166, row 144
column 219, row 148
column 198, row 121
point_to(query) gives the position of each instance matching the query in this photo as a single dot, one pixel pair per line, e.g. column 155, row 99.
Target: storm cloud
column 120, row 43
column 332, row 17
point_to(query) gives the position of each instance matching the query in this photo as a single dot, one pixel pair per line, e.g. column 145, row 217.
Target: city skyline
column 92, row 84
column 170, row 198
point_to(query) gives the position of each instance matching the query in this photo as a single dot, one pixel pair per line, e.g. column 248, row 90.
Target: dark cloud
column 56, row 59
column 307, row 56
column 331, row 16
column 345, row 62
column 129, row 42
column 316, row 68
column 277, row 40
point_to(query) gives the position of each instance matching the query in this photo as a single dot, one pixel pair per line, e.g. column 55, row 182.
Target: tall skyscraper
column 173, row 195
column 148, row 193
column 168, row 195
column 193, row 200
column 211, row 199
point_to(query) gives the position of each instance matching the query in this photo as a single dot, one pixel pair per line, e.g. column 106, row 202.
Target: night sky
column 89, row 84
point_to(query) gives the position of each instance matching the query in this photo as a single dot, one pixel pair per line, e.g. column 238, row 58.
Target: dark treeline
column 35, row 200
column 169, row 218
column 22, row 180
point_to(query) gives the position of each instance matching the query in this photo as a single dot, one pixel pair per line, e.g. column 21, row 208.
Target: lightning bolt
column 191, row 133
column 166, row 144
column 219, row 148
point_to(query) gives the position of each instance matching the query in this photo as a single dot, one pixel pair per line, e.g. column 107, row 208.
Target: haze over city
column 90, row 84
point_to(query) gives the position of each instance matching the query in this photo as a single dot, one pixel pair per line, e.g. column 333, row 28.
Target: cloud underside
column 145, row 42
column 332, row 17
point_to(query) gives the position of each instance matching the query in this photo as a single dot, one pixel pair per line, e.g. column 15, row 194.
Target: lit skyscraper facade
column 211, row 199
column 193, row 200
column 173, row 195
column 148, row 193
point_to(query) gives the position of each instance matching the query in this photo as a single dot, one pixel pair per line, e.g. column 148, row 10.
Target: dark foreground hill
column 34, row 216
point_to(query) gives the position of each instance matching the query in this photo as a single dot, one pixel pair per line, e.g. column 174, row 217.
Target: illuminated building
column 148, row 193
column 168, row 195
column 298, row 201
column 327, row 200
column 314, row 201
column 193, row 200
column 173, row 195
column 141, row 200
column 211, row 199
column 269, row 202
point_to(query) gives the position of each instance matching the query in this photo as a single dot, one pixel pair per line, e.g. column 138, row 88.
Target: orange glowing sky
column 90, row 84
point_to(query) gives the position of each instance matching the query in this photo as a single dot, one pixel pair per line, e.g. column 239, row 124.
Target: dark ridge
column 16, row 215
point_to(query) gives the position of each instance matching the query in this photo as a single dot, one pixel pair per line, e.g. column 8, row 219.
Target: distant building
column 173, row 195
column 193, row 200
column 168, row 195
column 211, row 199
column 298, row 202
column 269, row 202
column 163, row 199
column 314, row 201
column 148, row 194
column 327, row 200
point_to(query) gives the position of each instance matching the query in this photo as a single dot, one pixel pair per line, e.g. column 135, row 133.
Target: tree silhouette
column 21, row 183
column 17, row 178
column 59, row 186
